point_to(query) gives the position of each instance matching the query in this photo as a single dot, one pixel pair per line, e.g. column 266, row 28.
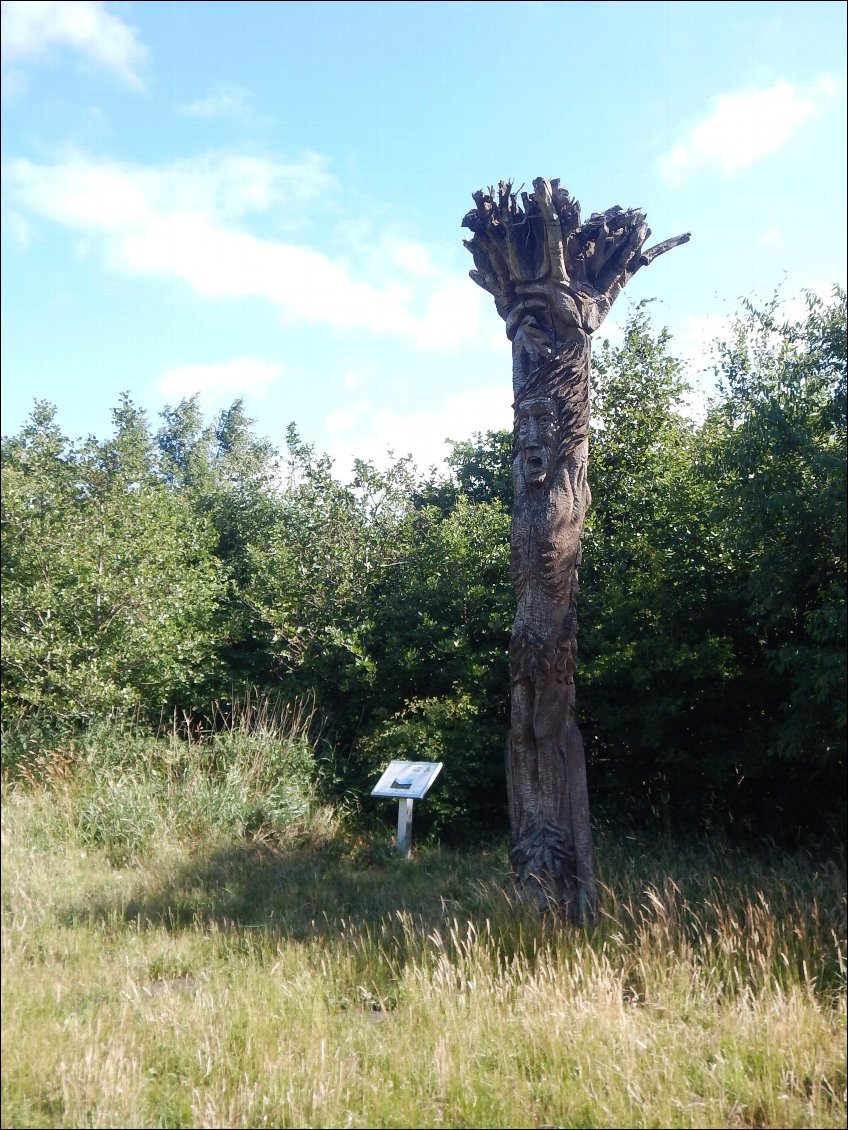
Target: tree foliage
column 773, row 454
column 654, row 642
column 110, row 590
column 153, row 571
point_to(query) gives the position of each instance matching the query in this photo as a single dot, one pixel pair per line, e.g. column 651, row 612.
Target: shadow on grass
column 317, row 891
column 305, row 892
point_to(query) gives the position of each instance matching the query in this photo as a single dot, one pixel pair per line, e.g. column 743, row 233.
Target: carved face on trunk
column 536, row 420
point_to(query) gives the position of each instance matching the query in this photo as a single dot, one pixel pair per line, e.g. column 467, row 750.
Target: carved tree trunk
column 553, row 281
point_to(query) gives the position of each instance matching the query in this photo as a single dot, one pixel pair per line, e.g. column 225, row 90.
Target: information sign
column 410, row 779
column 407, row 781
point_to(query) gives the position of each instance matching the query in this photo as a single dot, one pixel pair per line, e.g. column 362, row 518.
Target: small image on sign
column 407, row 778
column 414, row 775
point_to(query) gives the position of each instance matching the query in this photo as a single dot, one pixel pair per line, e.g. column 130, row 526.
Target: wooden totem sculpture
column 553, row 280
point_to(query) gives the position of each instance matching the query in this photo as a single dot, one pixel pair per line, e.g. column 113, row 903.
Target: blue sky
column 264, row 199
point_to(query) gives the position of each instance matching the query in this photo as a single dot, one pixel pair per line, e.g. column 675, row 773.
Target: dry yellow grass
column 324, row 983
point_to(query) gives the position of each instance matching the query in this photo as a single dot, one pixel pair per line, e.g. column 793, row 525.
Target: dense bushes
column 125, row 789
column 154, row 572
column 714, row 589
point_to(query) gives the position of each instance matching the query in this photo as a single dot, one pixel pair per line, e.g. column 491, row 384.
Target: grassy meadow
column 191, row 938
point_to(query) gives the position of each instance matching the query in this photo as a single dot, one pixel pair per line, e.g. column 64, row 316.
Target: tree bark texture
column 553, row 280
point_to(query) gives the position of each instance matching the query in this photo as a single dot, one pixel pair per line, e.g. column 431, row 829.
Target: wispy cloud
column 795, row 308
column 237, row 377
column 226, row 102
column 770, row 238
column 81, row 191
column 743, row 127
column 422, row 434
column 190, row 221
column 17, row 227
column 694, row 343
column 344, row 419
column 32, row 27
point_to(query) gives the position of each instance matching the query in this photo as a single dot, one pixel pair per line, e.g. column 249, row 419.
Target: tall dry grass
column 218, row 971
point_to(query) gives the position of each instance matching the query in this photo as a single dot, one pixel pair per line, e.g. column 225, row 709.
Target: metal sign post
column 408, row 781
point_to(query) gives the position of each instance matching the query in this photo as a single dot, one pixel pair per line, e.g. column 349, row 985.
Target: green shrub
column 469, row 796
column 256, row 775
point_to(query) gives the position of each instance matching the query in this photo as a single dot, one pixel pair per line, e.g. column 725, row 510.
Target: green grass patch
column 169, row 961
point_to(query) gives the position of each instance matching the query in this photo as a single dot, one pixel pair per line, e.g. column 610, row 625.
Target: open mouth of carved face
column 535, row 467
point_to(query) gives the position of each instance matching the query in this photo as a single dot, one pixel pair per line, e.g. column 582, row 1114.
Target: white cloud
column 696, row 404
column 694, row 341
column 31, row 27
column 795, row 308
column 187, row 221
column 454, row 305
column 743, row 127
column 17, row 227
column 228, row 101
column 409, row 256
column 770, row 238
column 424, row 435
column 344, row 419
column 610, row 331
column 242, row 375
column 85, row 192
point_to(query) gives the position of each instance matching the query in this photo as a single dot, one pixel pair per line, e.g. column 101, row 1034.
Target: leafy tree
column 110, row 590
column 481, row 471
column 439, row 644
column 314, row 569
column 392, row 612
column 654, row 652
column 713, row 614
column 151, row 570
column 774, row 444
column 184, row 445
column 237, row 493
